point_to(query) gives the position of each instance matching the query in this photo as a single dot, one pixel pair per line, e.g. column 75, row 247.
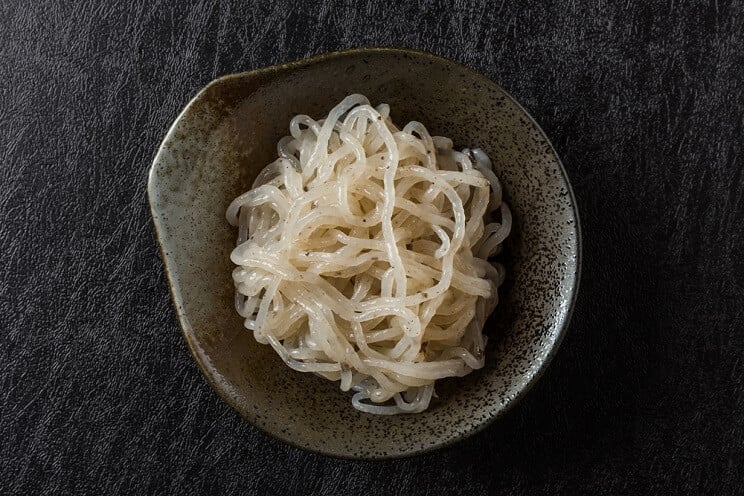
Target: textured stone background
column 643, row 101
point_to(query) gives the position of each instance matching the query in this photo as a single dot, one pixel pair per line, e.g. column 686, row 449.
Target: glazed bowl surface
column 228, row 133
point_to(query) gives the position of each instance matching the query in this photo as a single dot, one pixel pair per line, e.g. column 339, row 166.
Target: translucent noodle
column 363, row 255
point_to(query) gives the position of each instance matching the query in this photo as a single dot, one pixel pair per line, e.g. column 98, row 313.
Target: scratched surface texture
column 644, row 103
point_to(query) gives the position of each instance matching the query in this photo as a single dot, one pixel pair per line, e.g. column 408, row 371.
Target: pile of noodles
column 362, row 255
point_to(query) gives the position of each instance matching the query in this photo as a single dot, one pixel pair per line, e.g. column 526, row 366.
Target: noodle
column 363, row 252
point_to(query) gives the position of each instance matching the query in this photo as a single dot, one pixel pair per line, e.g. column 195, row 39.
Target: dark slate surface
column 98, row 392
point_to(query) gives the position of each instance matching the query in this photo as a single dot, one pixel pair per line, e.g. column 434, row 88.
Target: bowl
column 228, row 133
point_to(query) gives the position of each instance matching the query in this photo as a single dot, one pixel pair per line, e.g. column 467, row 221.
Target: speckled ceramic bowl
column 228, row 133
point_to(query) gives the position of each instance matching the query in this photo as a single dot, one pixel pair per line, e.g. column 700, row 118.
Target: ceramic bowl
column 228, row 133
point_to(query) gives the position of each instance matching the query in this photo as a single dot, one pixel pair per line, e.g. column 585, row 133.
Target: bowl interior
column 228, row 133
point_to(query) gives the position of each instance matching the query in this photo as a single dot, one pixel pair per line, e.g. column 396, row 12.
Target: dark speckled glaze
column 228, row 133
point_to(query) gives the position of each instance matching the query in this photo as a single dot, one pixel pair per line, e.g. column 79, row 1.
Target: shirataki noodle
column 362, row 255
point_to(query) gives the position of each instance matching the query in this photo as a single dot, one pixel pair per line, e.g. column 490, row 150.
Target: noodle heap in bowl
column 362, row 255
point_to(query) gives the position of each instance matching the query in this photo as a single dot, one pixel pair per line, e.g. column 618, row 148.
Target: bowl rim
column 190, row 338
